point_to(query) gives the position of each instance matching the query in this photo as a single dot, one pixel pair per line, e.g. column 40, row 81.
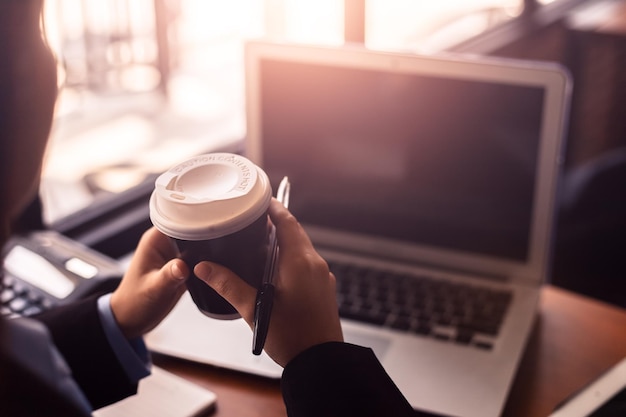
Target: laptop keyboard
column 445, row 310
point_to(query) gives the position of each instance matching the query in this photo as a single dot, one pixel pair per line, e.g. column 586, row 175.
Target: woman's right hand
column 305, row 309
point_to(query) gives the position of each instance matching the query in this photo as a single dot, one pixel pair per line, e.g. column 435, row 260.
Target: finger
column 141, row 302
column 229, row 285
column 153, row 238
column 173, row 274
column 170, row 283
column 290, row 234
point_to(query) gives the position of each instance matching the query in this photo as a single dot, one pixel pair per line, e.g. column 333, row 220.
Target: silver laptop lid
column 450, row 161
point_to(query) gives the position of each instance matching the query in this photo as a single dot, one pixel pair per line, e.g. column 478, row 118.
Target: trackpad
column 379, row 345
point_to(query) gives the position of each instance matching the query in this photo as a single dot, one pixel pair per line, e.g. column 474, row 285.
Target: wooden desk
column 575, row 340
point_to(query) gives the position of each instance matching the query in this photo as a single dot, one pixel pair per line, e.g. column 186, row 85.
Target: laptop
column 428, row 183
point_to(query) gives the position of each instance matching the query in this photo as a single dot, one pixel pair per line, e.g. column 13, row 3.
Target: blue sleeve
column 132, row 354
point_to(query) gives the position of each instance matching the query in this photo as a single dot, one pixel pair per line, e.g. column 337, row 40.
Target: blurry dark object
column 590, row 253
column 597, row 58
column 30, row 219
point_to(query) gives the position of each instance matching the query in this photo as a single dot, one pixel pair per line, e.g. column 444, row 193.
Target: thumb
column 173, row 275
column 166, row 285
column 141, row 301
column 171, row 282
column 230, row 286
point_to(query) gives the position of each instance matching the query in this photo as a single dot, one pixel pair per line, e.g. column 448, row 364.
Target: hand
column 305, row 309
column 151, row 287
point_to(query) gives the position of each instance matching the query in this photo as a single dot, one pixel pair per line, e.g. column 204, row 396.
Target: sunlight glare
column 318, row 21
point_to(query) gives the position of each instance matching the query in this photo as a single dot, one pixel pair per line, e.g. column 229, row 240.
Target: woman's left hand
column 152, row 285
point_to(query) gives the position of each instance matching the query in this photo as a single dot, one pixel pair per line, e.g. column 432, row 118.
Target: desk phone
column 44, row 268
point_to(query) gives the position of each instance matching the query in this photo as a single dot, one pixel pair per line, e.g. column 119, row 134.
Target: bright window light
column 430, row 26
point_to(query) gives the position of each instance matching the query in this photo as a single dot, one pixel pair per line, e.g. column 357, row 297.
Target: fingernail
column 203, row 271
column 177, row 272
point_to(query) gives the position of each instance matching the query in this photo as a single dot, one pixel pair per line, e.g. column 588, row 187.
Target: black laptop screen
column 435, row 161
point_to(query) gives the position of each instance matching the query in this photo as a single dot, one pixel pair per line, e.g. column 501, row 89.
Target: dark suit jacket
column 78, row 335
column 340, row 380
column 332, row 379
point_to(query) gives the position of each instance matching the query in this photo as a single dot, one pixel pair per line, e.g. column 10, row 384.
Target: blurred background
column 147, row 83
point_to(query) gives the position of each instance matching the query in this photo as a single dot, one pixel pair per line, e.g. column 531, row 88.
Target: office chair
column 590, row 246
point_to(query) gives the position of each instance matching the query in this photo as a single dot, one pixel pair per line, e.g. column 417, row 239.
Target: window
column 432, row 26
column 146, row 83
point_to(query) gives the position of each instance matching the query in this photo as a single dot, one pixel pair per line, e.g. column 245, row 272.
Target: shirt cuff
column 132, row 354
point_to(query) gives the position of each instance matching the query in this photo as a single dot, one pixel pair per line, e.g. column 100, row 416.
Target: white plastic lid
column 209, row 196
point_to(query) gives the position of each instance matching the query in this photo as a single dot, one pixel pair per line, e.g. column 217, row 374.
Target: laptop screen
column 447, row 163
column 444, row 157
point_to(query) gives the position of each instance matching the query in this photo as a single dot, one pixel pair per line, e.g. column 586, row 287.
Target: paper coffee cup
column 214, row 208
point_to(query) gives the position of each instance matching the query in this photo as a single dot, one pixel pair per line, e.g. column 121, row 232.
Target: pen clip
column 282, row 195
column 265, row 294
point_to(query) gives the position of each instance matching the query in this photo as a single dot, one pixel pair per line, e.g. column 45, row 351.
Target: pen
column 265, row 294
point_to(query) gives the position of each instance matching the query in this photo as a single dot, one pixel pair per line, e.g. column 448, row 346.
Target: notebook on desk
column 428, row 184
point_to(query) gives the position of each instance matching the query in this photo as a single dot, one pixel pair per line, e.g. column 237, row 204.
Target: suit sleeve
column 79, row 336
column 340, row 379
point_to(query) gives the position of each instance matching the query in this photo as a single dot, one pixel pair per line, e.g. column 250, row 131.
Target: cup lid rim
column 183, row 216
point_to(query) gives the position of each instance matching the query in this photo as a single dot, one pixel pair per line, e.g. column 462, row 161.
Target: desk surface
column 574, row 340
